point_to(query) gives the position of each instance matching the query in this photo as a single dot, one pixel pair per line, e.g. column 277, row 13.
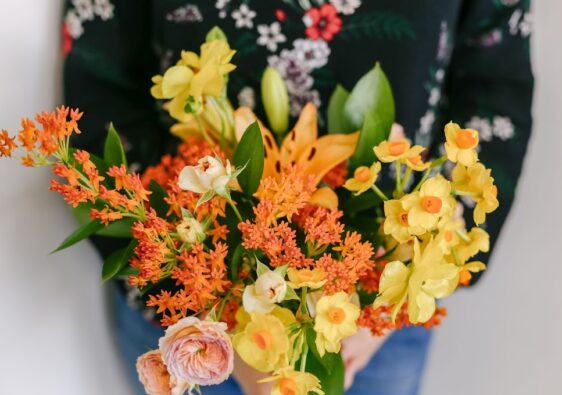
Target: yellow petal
column 175, row 80
column 324, row 197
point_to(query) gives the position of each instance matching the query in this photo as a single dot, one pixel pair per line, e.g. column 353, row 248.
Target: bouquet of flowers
column 276, row 243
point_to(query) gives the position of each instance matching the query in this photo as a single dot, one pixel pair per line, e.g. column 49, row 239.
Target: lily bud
column 275, row 100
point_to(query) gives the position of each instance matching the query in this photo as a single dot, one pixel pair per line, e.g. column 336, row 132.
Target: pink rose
column 155, row 377
column 198, row 352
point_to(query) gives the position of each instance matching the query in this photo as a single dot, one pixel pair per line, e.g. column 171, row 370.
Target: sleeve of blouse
column 490, row 88
column 108, row 65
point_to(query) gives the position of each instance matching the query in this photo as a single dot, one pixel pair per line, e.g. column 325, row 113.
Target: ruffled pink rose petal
column 155, row 377
column 198, row 352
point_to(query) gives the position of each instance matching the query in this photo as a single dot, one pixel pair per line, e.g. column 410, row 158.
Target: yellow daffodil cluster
column 429, row 247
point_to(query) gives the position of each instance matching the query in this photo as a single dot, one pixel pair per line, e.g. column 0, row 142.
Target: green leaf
column 157, row 197
column 120, row 228
column 80, row 234
column 331, row 379
column 117, row 261
column 261, row 268
column 235, row 262
column 281, row 270
column 336, row 121
column 250, row 153
column 291, row 294
column 215, row 33
column 372, row 94
column 328, row 360
column 113, row 152
column 372, row 133
column 370, row 108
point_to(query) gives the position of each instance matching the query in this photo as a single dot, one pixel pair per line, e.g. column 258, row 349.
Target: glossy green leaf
column 329, row 369
column 113, row 152
column 336, row 114
column 372, row 94
column 374, row 131
column 117, row 261
column 80, row 234
column 235, row 262
column 157, row 197
column 250, row 153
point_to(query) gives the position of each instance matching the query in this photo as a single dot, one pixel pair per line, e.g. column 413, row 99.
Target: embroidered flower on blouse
column 483, row 126
column 187, row 13
column 84, row 9
column 271, row 36
column 73, row 24
column 244, row 17
column 503, row 128
column 313, row 53
column 103, row 9
column 426, row 122
column 247, row 97
column 346, row 7
column 322, row 22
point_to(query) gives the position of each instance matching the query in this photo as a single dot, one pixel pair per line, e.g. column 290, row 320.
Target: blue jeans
column 396, row 369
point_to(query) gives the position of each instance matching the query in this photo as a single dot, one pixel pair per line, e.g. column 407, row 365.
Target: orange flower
column 7, row 144
column 323, row 227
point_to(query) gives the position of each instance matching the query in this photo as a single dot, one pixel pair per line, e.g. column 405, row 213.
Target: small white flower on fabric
column 300, row 98
column 434, row 96
column 439, row 75
column 346, row 7
column 313, row 53
column 483, row 126
column 503, row 128
column 209, row 175
column 73, row 24
column 84, row 9
column 104, row 9
column 426, row 122
column 509, row 3
column 444, row 45
column 220, row 4
column 244, row 17
column 271, row 36
column 247, row 97
column 526, row 25
column 188, row 13
column 514, row 22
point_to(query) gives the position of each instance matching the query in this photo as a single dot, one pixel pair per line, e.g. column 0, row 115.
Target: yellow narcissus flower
column 287, row 381
column 448, row 236
column 334, row 321
column 363, row 178
column 477, row 182
column 390, row 151
column 396, row 222
column 194, row 77
column 427, row 278
column 466, row 270
column 416, row 163
column 311, row 278
column 285, row 315
column 479, row 241
column 461, row 144
column 263, row 344
column 430, row 203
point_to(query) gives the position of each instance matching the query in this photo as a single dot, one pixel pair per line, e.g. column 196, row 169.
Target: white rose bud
column 210, row 175
column 190, row 231
column 270, row 288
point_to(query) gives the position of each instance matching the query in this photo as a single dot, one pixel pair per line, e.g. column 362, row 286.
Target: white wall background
column 504, row 337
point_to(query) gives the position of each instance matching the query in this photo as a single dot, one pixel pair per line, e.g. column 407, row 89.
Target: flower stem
column 398, row 179
column 203, row 131
column 425, row 175
column 303, row 356
column 303, row 300
column 379, row 192
column 407, row 175
column 235, row 210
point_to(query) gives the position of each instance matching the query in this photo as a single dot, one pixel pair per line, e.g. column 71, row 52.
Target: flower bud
column 275, row 100
column 190, row 231
column 270, row 288
column 210, row 175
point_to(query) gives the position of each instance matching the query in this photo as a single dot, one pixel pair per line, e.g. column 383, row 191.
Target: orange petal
column 302, row 136
column 327, row 152
column 244, row 117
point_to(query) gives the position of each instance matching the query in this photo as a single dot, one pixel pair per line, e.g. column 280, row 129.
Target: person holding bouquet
column 466, row 61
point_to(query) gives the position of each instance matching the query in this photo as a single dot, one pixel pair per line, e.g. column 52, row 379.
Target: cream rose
column 270, row 288
column 155, row 377
column 210, row 175
column 198, row 352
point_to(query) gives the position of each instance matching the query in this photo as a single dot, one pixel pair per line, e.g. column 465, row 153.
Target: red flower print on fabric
column 322, row 22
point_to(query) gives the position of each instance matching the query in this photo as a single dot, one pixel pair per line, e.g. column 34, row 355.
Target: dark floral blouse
column 461, row 60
